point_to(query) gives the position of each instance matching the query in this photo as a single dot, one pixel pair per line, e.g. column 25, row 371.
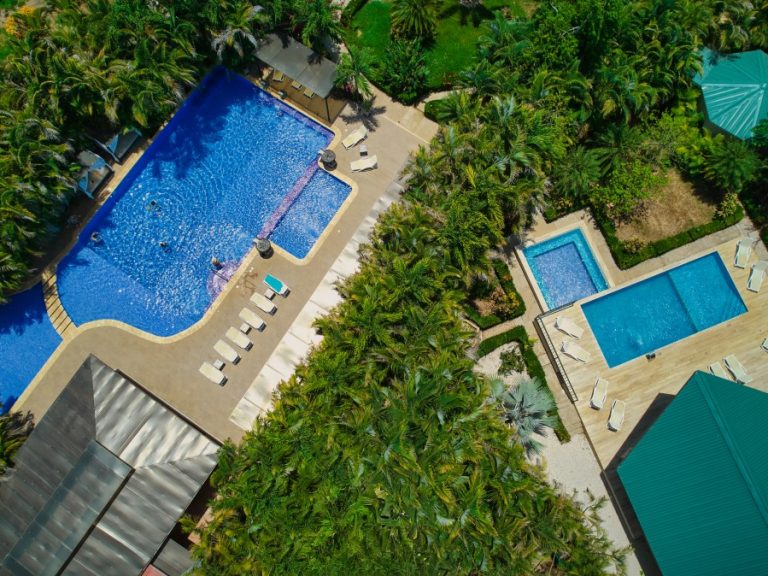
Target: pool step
column 59, row 317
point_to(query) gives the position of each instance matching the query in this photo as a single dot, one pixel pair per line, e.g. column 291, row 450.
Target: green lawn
column 453, row 49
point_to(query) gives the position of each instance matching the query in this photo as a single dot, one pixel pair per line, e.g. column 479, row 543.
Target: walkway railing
column 557, row 364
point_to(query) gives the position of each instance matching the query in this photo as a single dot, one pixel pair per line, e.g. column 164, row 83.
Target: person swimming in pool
column 95, row 237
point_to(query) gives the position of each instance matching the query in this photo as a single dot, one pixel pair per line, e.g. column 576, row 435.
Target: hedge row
column 626, row 258
column 505, row 281
column 532, row 366
column 352, row 8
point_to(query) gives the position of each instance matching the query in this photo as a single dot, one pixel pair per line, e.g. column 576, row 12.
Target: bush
column 431, row 109
column 403, row 71
column 505, row 279
column 508, row 304
column 352, row 8
column 627, row 187
column 532, row 366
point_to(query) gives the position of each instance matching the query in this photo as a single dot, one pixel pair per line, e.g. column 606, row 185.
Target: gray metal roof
column 298, row 62
column 101, row 481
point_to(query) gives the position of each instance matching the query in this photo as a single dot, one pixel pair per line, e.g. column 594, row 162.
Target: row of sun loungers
column 239, row 337
column 618, row 407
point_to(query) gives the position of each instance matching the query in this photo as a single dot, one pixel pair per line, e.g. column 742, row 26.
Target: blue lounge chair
column 276, row 285
column 95, row 173
column 121, row 144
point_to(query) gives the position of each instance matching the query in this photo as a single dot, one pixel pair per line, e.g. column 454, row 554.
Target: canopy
column 298, row 62
column 734, row 88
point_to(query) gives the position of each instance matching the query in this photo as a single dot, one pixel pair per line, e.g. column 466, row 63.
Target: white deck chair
column 366, row 163
column 227, row 352
column 239, row 338
column 717, row 369
column 569, row 327
column 599, row 394
column 757, row 275
column 278, row 76
column 263, row 303
column 764, row 345
column 743, row 252
column 737, row 369
column 575, row 351
column 616, row 419
column 355, row 137
column 251, row 318
column 212, row 373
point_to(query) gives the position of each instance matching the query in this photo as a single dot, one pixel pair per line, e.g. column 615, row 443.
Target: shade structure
column 298, row 62
column 734, row 88
column 698, row 481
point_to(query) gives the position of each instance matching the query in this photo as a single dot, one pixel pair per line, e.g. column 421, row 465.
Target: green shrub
column 626, row 189
column 403, row 71
column 350, row 10
column 512, row 307
column 431, row 108
column 532, row 366
column 505, row 279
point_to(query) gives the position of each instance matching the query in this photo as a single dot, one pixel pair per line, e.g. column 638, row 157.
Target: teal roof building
column 698, row 481
column 734, row 88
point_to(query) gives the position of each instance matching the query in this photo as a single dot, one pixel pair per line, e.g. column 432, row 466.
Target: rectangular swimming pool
column 663, row 309
column 565, row 269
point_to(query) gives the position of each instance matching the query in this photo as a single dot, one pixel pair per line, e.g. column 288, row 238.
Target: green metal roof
column 734, row 88
column 698, row 481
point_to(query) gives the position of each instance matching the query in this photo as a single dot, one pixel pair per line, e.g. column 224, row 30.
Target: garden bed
column 496, row 301
column 534, row 368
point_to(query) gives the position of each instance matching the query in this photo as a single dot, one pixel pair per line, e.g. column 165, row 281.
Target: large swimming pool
column 27, row 340
column 660, row 310
column 565, row 269
column 214, row 178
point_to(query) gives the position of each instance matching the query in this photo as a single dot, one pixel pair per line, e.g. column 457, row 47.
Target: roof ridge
column 733, row 448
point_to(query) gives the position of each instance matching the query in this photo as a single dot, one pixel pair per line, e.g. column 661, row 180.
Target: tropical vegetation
column 15, row 427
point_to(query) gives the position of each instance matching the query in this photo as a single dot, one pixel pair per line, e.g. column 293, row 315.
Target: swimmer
column 95, row 237
column 163, row 244
column 216, row 263
column 153, row 205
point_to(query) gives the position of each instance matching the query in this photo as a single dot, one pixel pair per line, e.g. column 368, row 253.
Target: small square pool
column 565, row 269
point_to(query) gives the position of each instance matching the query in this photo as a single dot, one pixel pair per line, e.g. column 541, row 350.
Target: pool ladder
column 59, row 317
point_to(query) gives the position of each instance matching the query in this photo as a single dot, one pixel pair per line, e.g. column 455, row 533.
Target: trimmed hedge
column 505, row 281
column 626, row 259
column 532, row 366
column 350, row 10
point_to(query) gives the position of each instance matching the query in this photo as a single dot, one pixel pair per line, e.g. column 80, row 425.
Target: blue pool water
column 665, row 308
column 565, row 269
column 211, row 181
column 27, row 339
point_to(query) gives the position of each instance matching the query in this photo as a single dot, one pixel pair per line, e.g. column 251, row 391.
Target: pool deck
column 645, row 385
column 168, row 367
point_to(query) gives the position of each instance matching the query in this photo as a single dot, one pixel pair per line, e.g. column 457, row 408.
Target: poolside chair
column 308, row 93
column 212, row 373
column 278, row 76
column 263, row 303
column 743, row 252
column 355, row 137
column 366, row 163
column 737, row 369
column 764, row 345
column 717, row 370
column 120, row 145
column 575, row 351
column 757, row 275
column 616, row 418
column 296, row 84
column 569, row 327
column 599, row 394
column 239, row 338
column 252, row 319
column 95, row 173
column 227, row 352
column 276, row 285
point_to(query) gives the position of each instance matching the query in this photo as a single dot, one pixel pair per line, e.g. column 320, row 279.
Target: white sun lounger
column 575, row 351
column 743, row 252
column 355, row 137
column 250, row 317
column 737, row 369
column 263, row 303
column 276, row 285
column 599, row 394
column 764, row 345
column 569, row 327
column 227, row 352
column 239, row 338
column 757, row 275
column 717, row 369
column 616, row 419
column 366, row 163
column 212, row 373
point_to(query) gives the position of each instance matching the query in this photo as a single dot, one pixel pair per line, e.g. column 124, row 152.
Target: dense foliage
column 75, row 69
column 15, row 427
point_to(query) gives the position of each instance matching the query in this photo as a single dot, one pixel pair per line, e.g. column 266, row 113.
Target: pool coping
column 585, row 231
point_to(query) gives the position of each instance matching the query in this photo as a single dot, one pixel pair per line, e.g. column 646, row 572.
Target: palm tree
column 575, row 176
column 352, row 73
column 414, row 19
column 15, row 427
column 239, row 30
column 319, row 23
column 527, row 408
column 732, row 164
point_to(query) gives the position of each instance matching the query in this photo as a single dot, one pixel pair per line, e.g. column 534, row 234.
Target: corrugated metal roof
column 734, row 88
column 101, row 481
column 698, row 481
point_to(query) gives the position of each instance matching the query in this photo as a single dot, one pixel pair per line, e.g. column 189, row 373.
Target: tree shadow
column 367, row 115
column 474, row 17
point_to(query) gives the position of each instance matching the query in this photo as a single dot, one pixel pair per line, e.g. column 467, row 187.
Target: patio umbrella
column 734, row 88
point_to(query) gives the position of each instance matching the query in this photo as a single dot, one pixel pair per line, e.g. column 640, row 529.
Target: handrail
column 557, row 364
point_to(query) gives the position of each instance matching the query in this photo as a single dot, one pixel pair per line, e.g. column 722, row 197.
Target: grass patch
column 454, row 45
column 501, row 278
column 4, row 48
column 532, row 366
